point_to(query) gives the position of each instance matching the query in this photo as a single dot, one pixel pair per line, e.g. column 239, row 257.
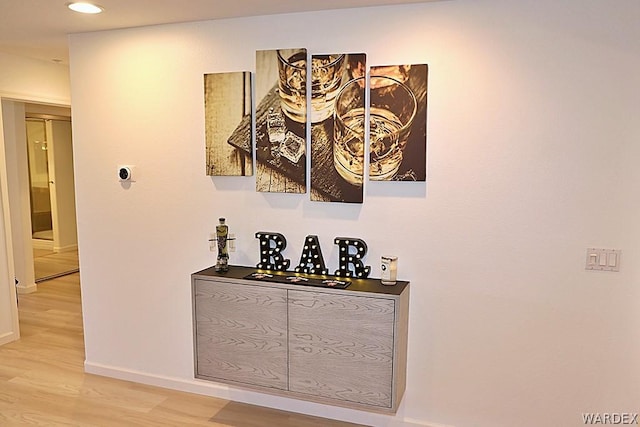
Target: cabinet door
column 341, row 347
column 241, row 333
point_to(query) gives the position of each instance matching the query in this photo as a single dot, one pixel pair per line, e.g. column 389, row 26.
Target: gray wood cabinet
column 342, row 347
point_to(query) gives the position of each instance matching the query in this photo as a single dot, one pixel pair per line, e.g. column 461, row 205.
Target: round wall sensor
column 124, row 173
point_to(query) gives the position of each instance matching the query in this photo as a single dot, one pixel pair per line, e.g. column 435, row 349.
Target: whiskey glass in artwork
column 327, row 72
column 348, row 132
column 228, row 144
column 392, row 110
column 292, row 83
column 326, row 77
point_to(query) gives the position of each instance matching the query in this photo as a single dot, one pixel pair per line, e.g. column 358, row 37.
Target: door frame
column 7, row 251
column 53, row 176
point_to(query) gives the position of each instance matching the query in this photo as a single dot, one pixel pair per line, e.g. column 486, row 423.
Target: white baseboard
column 26, row 289
column 68, row 248
column 226, row 392
column 412, row 422
column 8, row 337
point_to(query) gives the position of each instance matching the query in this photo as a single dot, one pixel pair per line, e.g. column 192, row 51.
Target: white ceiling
column 39, row 28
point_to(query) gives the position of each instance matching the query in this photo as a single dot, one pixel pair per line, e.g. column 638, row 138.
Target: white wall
column 21, row 79
column 532, row 158
column 33, row 80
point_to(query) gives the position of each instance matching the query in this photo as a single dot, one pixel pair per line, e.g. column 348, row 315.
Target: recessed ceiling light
column 83, row 7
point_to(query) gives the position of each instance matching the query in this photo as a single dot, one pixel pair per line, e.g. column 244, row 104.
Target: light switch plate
column 603, row 259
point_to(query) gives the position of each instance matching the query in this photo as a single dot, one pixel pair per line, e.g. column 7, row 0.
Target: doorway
column 52, row 194
column 39, row 182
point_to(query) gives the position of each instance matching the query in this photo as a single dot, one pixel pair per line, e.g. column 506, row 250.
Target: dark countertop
column 370, row 285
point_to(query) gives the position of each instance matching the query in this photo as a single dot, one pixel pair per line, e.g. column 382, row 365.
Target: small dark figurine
column 222, row 235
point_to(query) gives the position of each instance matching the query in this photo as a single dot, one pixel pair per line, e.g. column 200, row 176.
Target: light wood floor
column 48, row 264
column 42, row 382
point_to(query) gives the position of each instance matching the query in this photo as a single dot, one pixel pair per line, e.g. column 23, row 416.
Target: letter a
column 311, row 260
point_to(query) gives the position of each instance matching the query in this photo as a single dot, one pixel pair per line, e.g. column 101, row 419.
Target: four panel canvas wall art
column 371, row 125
